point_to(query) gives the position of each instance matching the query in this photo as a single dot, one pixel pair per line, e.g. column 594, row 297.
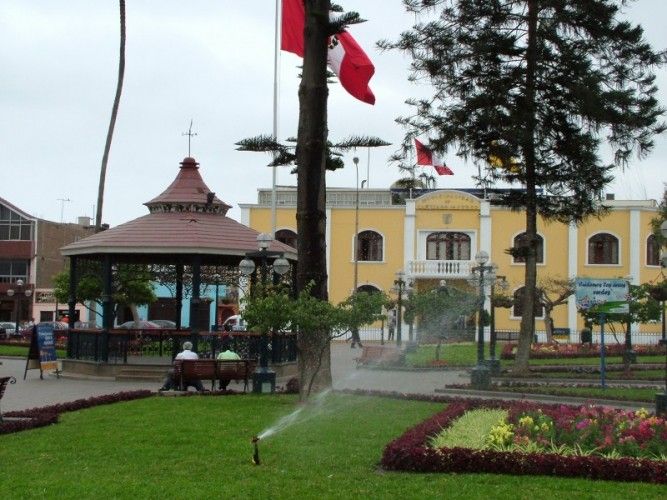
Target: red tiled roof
column 174, row 232
column 188, row 187
column 184, row 219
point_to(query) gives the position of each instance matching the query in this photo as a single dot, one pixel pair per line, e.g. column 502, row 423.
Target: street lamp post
column 481, row 375
column 216, row 325
column 399, row 283
column 17, row 294
column 264, row 378
column 493, row 363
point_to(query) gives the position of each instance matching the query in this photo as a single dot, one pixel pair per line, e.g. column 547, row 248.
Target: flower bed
column 549, row 351
column 47, row 415
column 411, row 451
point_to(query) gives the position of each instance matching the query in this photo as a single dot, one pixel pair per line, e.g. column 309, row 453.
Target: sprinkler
column 255, row 455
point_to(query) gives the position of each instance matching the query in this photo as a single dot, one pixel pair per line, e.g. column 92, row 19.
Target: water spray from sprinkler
column 255, row 455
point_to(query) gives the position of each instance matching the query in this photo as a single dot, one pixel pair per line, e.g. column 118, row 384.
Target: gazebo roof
column 186, row 219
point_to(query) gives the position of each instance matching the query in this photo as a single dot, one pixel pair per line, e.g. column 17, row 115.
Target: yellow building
column 436, row 235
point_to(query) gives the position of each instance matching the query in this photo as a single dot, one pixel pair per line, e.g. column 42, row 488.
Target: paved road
column 33, row 392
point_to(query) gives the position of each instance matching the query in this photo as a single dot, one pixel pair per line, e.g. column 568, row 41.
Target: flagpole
column 276, row 81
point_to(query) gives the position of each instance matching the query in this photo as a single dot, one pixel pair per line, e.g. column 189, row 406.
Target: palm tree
column 112, row 122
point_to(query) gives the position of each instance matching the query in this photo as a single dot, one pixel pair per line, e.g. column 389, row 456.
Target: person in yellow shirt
column 226, row 354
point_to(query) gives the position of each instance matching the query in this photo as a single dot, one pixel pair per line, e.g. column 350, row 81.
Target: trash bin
column 586, row 336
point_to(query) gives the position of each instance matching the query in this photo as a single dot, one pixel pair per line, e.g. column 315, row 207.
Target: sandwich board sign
column 42, row 352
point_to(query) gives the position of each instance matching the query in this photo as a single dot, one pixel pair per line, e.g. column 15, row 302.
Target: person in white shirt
column 186, row 353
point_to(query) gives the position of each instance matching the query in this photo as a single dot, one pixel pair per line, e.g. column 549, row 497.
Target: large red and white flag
column 346, row 58
column 427, row 157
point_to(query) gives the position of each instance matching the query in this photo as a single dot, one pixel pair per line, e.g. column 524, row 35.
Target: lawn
column 22, row 351
column 620, row 393
column 199, row 447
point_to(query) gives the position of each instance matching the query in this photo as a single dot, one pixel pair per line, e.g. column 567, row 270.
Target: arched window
column 652, row 251
column 368, row 289
column 517, row 308
column 369, row 247
column 286, row 236
column 521, row 241
column 603, row 249
column 448, row 246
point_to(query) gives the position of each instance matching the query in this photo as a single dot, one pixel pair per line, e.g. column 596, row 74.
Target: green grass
column 22, row 352
column 658, row 375
column 470, row 430
column 199, row 447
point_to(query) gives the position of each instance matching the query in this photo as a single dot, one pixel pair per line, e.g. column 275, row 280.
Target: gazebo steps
column 156, row 373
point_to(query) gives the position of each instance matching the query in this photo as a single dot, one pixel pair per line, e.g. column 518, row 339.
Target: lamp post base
column 494, row 366
column 264, row 381
column 480, row 377
column 661, row 404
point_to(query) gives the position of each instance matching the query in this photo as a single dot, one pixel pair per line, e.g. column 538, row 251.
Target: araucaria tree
column 530, row 89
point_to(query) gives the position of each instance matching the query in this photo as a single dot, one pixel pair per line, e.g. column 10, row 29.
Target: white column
column 572, row 270
column 485, row 227
column 635, row 253
column 409, row 229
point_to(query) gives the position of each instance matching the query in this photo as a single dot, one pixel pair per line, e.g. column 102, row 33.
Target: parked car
column 164, row 323
column 7, row 329
column 234, row 323
column 139, row 325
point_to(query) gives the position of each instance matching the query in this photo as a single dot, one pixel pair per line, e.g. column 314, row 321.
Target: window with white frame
column 369, row 246
column 13, row 226
column 603, row 249
column 652, row 251
column 517, row 308
column 448, row 246
column 521, row 241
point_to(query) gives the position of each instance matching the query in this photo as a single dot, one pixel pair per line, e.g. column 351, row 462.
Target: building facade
column 30, row 252
column 435, row 236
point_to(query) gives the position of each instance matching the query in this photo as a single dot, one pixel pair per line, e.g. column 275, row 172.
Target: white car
column 234, row 323
column 7, row 329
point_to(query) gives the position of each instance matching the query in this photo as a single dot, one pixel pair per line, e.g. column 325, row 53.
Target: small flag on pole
column 345, row 57
column 426, row 157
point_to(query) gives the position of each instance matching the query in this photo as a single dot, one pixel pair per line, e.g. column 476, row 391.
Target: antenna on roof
column 190, row 135
column 62, row 207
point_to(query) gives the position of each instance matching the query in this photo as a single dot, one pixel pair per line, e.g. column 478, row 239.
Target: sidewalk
column 33, row 392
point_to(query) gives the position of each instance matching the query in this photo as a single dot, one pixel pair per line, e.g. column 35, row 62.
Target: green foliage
column 272, row 309
column 470, row 430
column 131, row 284
column 439, row 310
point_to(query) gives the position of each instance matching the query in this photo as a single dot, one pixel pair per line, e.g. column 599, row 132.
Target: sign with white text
column 602, row 295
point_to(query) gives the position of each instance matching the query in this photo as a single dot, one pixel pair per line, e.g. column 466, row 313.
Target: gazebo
column 186, row 225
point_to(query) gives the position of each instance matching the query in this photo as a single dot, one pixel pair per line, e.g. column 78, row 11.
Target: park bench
column 187, row 370
column 378, row 354
column 3, row 385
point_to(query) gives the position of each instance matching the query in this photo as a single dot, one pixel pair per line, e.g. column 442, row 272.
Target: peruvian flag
column 346, row 58
column 427, row 157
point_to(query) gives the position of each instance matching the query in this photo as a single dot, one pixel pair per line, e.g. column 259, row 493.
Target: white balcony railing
column 439, row 268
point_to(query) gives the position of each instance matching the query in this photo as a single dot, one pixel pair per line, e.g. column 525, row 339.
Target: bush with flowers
column 554, row 350
column 603, row 443
column 588, row 430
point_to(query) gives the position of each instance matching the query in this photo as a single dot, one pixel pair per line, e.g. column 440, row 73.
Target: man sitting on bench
column 169, row 380
column 226, row 354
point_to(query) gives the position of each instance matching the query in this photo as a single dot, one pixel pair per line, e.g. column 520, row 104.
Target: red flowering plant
column 620, row 440
column 583, row 431
column 549, row 351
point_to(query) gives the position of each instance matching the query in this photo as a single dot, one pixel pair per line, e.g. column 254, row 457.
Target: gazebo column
column 107, row 309
column 179, row 292
column 195, row 301
column 71, row 302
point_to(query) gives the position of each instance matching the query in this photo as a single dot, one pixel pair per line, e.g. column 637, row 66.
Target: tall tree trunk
column 528, row 147
column 112, row 122
column 314, row 354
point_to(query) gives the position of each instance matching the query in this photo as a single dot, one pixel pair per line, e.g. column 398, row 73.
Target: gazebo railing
column 119, row 346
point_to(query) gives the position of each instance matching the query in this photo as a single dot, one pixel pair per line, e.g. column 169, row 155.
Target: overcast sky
column 205, row 60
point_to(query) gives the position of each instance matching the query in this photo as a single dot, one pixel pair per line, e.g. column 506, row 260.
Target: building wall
column 565, row 247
